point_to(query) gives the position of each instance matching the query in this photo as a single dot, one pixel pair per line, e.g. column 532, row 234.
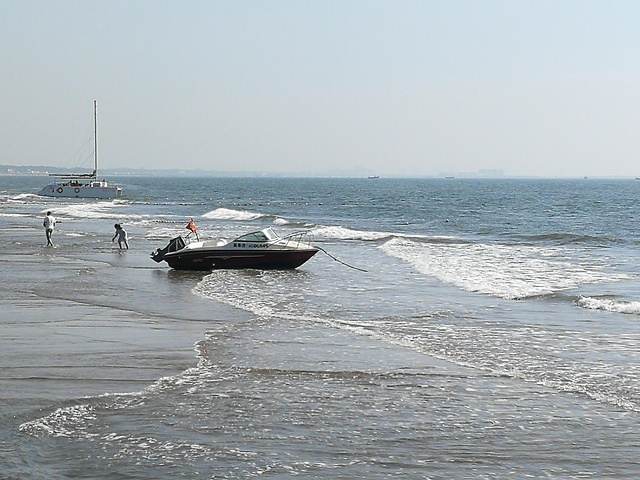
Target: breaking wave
column 609, row 305
column 344, row 233
column 506, row 271
column 93, row 210
column 230, row 214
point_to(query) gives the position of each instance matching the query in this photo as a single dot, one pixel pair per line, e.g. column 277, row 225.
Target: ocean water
column 489, row 329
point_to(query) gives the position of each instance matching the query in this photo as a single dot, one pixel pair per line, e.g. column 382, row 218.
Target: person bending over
column 122, row 236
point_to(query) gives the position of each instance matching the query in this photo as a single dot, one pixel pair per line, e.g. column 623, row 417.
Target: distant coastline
column 45, row 171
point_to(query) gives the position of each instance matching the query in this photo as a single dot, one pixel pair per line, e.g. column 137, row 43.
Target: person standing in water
column 48, row 224
column 122, row 236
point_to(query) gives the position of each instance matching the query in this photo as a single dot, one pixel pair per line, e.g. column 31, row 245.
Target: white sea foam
column 110, row 210
column 94, row 210
column 609, row 305
column 229, row 214
column 75, row 421
column 268, row 295
column 63, row 422
column 343, row 233
column 164, row 232
column 338, row 232
column 23, row 196
column 506, row 271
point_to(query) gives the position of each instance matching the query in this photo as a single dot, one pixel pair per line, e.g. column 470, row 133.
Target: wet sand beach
column 79, row 323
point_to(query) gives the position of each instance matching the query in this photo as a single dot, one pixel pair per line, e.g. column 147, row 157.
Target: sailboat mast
column 95, row 138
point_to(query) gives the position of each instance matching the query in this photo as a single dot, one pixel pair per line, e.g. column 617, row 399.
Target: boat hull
column 259, row 259
column 67, row 191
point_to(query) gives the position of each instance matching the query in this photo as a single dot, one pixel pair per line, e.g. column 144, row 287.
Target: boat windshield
column 265, row 235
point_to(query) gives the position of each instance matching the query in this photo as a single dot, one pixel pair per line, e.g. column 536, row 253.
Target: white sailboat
column 83, row 185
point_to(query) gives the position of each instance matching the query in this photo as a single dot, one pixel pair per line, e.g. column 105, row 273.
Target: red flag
column 192, row 226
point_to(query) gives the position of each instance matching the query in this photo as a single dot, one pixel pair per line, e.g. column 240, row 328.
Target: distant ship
column 83, row 185
column 373, row 176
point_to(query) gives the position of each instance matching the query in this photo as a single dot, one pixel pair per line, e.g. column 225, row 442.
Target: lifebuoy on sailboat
column 59, row 189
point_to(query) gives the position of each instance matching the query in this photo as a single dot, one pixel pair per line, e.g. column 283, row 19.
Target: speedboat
column 262, row 249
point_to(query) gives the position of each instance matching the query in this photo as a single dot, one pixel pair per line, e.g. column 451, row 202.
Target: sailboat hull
column 101, row 191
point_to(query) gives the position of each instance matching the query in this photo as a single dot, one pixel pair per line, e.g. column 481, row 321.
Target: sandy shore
column 80, row 324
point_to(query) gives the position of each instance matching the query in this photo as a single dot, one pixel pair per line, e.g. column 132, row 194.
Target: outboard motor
column 174, row 245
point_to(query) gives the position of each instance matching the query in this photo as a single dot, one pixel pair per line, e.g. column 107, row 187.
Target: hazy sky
column 546, row 88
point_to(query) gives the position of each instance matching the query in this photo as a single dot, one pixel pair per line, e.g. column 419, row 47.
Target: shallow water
column 494, row 333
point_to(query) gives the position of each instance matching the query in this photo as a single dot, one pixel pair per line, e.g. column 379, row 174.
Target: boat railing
column 301, row 239
column 189, row 238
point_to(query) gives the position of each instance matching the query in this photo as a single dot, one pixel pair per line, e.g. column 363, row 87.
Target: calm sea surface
column 495, row 333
